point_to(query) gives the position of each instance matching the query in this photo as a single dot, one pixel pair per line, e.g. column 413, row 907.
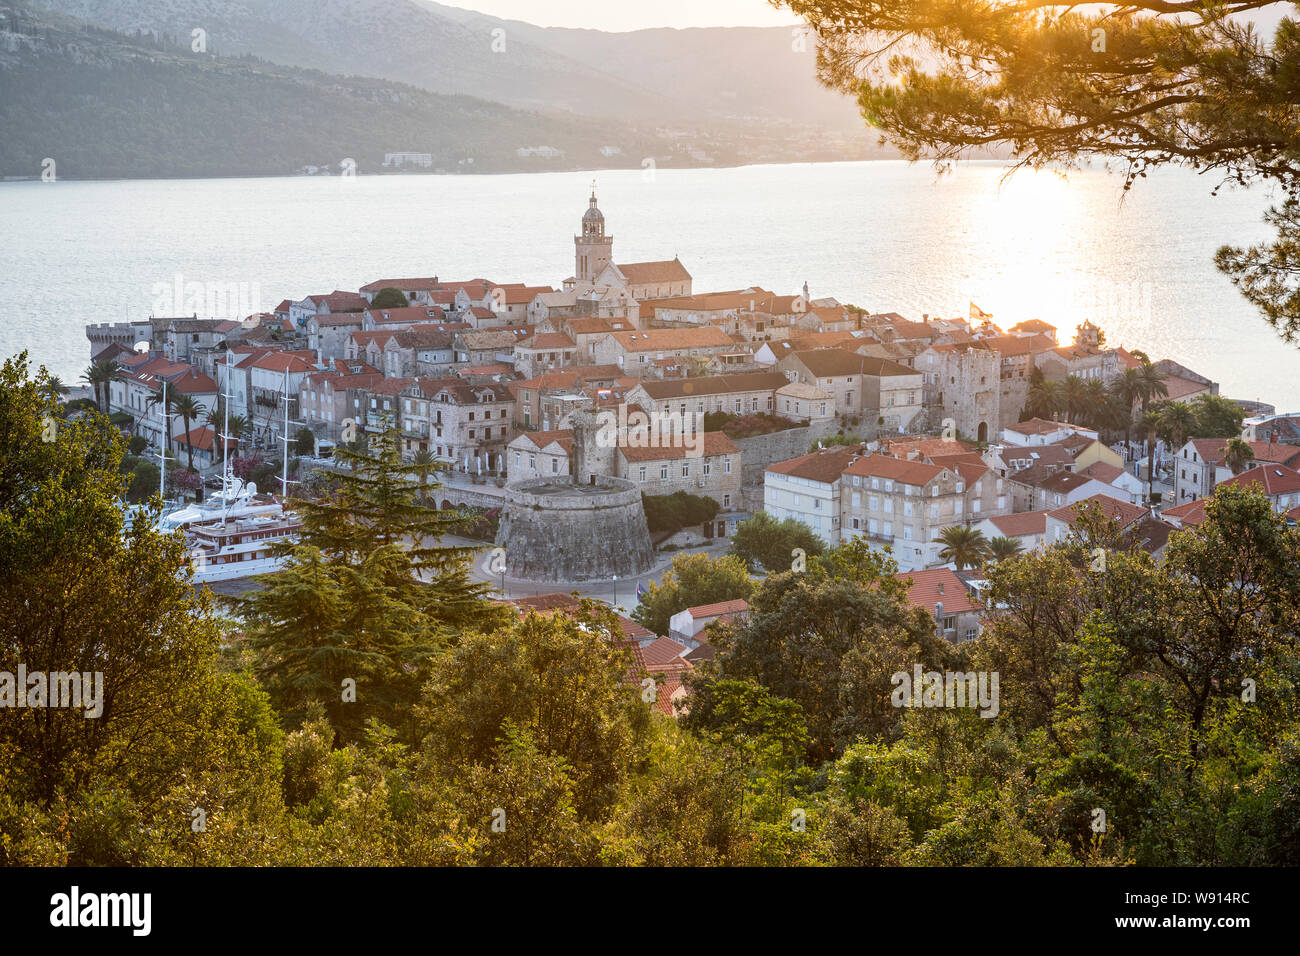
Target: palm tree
column 238, row 429
column 1177, row 421
column 963, row 545
column 1044, row 398
column 187, row 408
column 424, row 462
column 1151, row 427
column 98, row 376
column 1097, row 409
column 1237, row 455
column 54, row 388
column 1127, row 389
column 1074, row 397
column 1001, row 548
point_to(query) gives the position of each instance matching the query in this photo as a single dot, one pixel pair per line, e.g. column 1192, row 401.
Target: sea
column 888, row 236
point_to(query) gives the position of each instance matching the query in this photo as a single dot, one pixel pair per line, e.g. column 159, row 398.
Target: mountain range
column 684, row 97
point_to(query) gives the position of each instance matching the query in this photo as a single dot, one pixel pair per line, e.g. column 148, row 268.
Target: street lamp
column 616, row 591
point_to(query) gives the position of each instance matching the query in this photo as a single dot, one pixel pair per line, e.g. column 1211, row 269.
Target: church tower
column 592, row 250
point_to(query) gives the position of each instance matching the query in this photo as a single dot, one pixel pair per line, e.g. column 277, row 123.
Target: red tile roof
column 1272, row 479
column 895, row 469
column 1122, row 511
column 738, row 606
column 938, row 586
column 1018, row 525
column 825, row 465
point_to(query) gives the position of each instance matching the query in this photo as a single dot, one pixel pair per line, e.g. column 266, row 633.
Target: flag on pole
column 977, row 313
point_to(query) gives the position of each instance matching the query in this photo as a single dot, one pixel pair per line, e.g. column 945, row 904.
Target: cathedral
column 611, row 288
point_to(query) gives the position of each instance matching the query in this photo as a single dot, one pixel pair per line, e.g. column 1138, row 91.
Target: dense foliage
column 370, row 706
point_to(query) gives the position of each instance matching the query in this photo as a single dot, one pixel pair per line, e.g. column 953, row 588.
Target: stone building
column 963, row 388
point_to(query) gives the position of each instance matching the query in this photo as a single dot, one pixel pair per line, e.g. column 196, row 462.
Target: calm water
column 885, row 235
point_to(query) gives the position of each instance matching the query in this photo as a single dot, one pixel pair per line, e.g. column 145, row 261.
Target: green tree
column 389, row 298
column 762, row 541
column 1237, row 455
column 189, row 410
column 99, row 376
column 304, row 442
column 963, row 546
column 1147, row 84
column 564, row 679
column 83, row 592
column 1216, row 417
column 690, row 581
column 1001, row 548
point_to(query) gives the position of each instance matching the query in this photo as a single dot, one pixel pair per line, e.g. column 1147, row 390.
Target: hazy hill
column 681, row 78
column 104, row 105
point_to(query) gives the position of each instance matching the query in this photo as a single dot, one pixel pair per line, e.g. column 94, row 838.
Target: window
column 875, row 484
column 889, row 529
column 934, row 511
column 641, row 473
column 907, row 532
column 708, row 467
column 686, row 470
column 726, row 466
column 517, row 457
column 555, row 466
column 663, row 472
column 907, row 509
column 873, row 503
column 726, row 501
column 532, row 462
column 857, row 525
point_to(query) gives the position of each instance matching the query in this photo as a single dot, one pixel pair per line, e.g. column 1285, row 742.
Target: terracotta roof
column 669, row 270
column 1122, row 511
column 714, row 384
column 663, row 650
column 718, row 609
column 715, row 443
column 282, row 362
column 1024, row 523
column 825, row 465
column 405, row 285
column 826, row 363
column 202, row 438
column 938, row 586
column 925, row 447
column 1103, row 472
column 1021, row 344
column 1211, row 450
column 559, row 436
column 1063, row 482
column 1189, row 514
column 1272, row 478
column 548, row 340
column 895, row 469
column 654, row 340
column 1150, row 534
column 192, row 382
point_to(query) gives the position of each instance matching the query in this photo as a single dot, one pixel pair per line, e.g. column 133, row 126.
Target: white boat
column 239, row 500
column 223, row 550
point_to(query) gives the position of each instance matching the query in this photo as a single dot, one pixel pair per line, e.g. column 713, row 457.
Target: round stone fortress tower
column 555, row 529
column 587, row 526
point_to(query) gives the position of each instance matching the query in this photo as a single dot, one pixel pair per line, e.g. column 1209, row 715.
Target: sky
column 619, row 15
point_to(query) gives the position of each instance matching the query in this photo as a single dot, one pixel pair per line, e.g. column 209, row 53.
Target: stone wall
column 556, row 531
column 763, row 450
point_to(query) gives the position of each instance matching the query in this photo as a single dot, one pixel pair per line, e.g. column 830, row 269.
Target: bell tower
column 592, row 250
